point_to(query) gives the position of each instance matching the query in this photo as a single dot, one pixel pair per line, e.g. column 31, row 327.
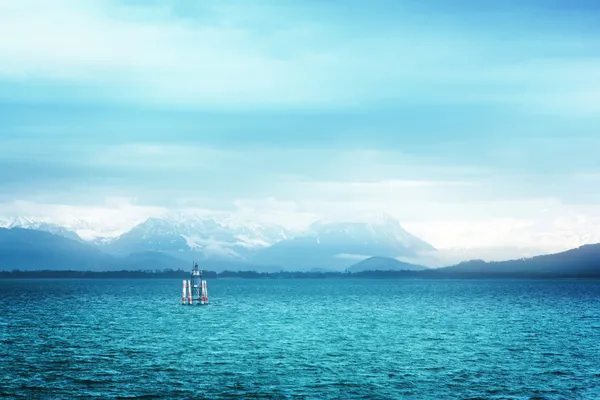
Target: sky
column 476, row 124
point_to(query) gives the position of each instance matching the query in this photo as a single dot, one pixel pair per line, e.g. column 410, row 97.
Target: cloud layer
column 303, row 54
column 476, row 126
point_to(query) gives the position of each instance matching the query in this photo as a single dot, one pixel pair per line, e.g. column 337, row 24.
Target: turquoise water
column 400, row 339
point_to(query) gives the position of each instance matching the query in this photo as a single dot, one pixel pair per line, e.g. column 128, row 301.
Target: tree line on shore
column 183, row 274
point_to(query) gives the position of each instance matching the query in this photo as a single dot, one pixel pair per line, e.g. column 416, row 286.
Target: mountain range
column 221, row 244
column 40, row 225
column 581, row 260
column 29, row 249
column 227, row 243
column 337, row 245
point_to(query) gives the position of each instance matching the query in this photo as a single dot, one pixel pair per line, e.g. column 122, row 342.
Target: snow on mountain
column 67, row 226
column 217, row 236
column 229, row 237
column 40, row 225
column 324, row 243
column 383, row 230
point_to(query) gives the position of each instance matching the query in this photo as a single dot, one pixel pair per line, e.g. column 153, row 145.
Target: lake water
column 388, row 339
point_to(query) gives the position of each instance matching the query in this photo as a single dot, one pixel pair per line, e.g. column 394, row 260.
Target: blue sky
column 456, row 117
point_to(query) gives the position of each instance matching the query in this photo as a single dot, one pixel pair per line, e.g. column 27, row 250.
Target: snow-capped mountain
column 230, row 238
column 384, row 231
column 207, row 237
column 226, row 237
column 340, row 244
column 39, row 225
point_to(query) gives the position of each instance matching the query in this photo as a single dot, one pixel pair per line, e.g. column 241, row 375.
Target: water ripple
column 288, row 339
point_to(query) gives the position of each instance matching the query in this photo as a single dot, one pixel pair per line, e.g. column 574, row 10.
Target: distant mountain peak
column 210, row 236
column 21, row 222
column 39, row 224
column 324, row 241
column 230, row 237
column 377, row 263
column 380, row 218
column 384, row 230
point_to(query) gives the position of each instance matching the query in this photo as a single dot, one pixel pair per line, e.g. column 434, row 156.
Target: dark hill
column 384, row 264
column 34, row 250
column 29, row 249
column 582, row 260
column 151, row 260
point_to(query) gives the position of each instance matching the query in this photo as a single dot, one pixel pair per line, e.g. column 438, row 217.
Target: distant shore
column 181, row 274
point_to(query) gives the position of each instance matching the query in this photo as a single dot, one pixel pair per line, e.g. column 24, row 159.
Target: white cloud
column 161, row 156
column 453, row 208
column 272, row 211
column 462, row 224
column 161, row 58
column 490, row 230
column 211, row 247
column 146, row 53
column 236, row 57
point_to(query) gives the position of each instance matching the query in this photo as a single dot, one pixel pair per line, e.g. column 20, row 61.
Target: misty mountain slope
column 31, row 223
column 226, row 238
column 581, row 260
column 384, row 231
column 155, row 260
column 150, row 260
column 152, row 235
column 201, row 238
column 29, row 249
column 384, row 264
column 337, row 245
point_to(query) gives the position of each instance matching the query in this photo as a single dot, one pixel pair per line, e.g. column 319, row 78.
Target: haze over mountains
column 336, row 245
column 40, row 225
column 227, row 244
column 582, row 260
column 384, row 264
column 224, row 242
